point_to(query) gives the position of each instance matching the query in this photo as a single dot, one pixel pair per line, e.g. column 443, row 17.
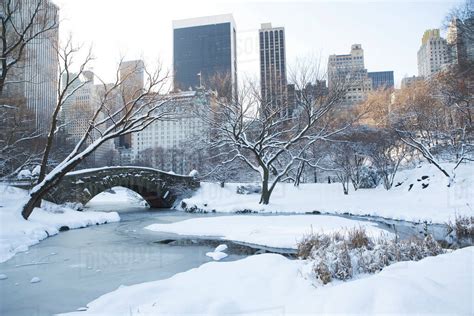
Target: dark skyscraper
column 205, row 48
column 381, row 79
column 273, row 82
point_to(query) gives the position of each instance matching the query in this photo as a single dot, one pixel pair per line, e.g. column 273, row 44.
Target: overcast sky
column 390, row 31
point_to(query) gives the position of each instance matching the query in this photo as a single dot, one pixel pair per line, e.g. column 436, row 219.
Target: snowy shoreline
column 422, row 195
column 18, row 234
column 271, row 231
column 243, row 287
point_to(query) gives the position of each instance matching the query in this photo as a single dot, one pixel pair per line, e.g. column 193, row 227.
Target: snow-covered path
column 283, row 231
column 272, row 284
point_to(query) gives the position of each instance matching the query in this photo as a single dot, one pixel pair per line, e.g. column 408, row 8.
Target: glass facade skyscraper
column 205, row 49
column 381, row 79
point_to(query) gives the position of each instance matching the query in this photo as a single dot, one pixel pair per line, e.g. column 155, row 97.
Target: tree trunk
column 265, row 196
column 41, row 189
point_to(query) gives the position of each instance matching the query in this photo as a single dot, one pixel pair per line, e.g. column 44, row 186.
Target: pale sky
column 390, row 31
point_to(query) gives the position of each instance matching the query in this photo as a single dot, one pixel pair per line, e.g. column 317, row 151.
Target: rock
column 63, row 228
column 35, row 280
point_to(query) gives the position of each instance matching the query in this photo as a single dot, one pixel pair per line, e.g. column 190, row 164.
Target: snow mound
column 216, row 255
column 221, row 248
column 35, row 280
column 435, row 285
column 280, row 231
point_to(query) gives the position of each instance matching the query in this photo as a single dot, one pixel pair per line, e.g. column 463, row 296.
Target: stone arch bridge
column 160, row 189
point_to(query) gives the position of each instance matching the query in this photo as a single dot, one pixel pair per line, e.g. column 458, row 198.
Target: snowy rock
column 81, row 309
column 36, row 171
column 24, row 174
column 35, row 280
column 194, row 173
column 3, row 277
column 221, row 248
column 216, row 255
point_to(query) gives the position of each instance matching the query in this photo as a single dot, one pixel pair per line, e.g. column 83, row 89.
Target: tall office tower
column 348, row 71
column 460, row 40
column 132, row 76
column 273, row 83
column 381, row 79
column 34, row 78
column 433, row 53
column 205, row 54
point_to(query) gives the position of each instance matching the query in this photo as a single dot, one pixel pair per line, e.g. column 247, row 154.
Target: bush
column 249, row 189
column 341, row 255
column 463, row 226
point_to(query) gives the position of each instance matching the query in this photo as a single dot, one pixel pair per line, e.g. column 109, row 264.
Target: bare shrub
column 323, row 273
column 343, row 254
column 358, row 238
column 463, row 226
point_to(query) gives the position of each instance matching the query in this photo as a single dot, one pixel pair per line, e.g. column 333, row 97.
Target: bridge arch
column 160, row 189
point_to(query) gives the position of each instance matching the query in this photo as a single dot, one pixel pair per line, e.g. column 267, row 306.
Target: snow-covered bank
column 17, row 234
column 272, row 284
column 116, row 197
column 272, row 231
column 421, row 195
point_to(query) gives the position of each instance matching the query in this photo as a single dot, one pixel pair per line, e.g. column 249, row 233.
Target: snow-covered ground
column 283, row 231
column 17, row 234
column 273, row 284
column 436, row 202
column 116, row 197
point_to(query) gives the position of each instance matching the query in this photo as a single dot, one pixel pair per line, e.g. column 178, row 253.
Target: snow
column 36, row 171
column 17, row 234
column 220, row 248
column 24, row 174
column 280, row 231
column 116, row 197
column 216, row 255
column 436, row 203
column 35, row 280
column 3, row 276
column 122, row 167
column 273, row 284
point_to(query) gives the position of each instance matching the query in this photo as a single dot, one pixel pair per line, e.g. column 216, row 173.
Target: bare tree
column 265, row 137
column 134, row 115
column 17, row 137
column 436, row 128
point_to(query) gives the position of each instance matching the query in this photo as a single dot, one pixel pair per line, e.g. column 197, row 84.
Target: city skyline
column 333, row 26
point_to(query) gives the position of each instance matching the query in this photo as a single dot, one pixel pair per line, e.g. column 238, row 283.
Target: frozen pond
column 77, row 266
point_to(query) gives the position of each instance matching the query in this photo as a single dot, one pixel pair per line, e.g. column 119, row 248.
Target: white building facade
column 349, row 70
column 173, row 137
column 433, row 53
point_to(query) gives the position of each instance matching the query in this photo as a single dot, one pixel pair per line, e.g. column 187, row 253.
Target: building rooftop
column 205, row 20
